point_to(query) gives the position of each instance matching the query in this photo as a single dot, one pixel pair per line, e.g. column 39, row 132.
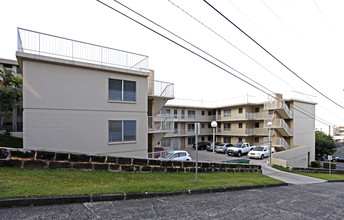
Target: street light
column 214, row 125
column 269, row 125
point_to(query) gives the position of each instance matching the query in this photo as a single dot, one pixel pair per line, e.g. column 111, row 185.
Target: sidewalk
column 290, row 178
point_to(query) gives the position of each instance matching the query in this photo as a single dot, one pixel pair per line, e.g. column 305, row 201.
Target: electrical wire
column 273, row 55
column 198, row 55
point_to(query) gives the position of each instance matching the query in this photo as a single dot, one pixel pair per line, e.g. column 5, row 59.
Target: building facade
column 286, row 121
column 87, row 98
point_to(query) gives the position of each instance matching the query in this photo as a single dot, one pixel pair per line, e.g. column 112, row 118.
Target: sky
column 307, row 36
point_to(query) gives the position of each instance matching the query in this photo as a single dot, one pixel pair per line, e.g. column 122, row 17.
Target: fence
column 59, row 47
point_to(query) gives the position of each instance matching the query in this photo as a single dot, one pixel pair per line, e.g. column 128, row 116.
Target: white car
column 259, row 152
column 179, row 155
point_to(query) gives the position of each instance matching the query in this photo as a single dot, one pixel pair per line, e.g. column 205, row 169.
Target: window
column 165, row 142
column 227, row 139
column 175, row 113
column 209, row 125
column 256, row 139
column 165, row 112
column 8, row 66
column 203, row 126
column 209, row 113
column 256, row 125
column 19, row 70
column 271, row 112
column 183, row 114
column 122, row 90
column 240, row 110
column 227, row 126
column 239, row 139
column 203, row 112
column 120, row 131
column 210, row 138
column 219, row 112
column 227, row 113
column 191, row 114
column 191, row 127
column 256, row 109
column 191, row 141
column 240, row 125
column 202, row 138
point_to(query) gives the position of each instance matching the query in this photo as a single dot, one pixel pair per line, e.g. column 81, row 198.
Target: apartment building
column 81, row 97
column 14, row 122
column 250, row 122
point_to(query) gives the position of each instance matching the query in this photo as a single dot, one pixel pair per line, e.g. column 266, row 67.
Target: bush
column 315, row 164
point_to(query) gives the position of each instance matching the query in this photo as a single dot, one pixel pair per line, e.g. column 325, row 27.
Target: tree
column 324, row 144
column 6, row 77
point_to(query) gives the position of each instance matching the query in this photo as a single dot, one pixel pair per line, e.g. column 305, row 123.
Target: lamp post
column 269, row 125
column 214, row 125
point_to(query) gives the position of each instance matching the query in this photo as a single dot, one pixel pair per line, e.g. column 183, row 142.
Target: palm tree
column 6, row 77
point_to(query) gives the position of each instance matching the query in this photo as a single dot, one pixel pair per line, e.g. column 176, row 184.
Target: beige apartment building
column 292, row 128
column 80, row 97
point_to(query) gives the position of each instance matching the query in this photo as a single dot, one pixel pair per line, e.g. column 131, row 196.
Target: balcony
column 58, row 47
column 280, row 107
column 160, row 124
column 278, row 143
column 236, row 117
column 279, row 125
column 191, row 132
column 160, row 89
column 195, row 118
column 237, row 131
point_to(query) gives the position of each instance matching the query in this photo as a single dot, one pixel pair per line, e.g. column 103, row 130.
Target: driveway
column 267, row 170
column 315, row 201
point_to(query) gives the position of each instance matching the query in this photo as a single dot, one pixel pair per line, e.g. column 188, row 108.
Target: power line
column 200, row 56
column 273, row 55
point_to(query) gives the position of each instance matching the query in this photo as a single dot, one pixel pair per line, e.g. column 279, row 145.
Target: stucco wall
column 66, row 108
column 297, row 157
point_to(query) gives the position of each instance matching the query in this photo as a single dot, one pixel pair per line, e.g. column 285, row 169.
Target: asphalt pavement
column 313, row 201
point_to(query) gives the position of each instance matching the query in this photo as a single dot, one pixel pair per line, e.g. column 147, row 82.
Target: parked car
column 222, row 147
column 338, row 159
column 159, row 151
column 201, row 145
column 179, row 155
column 259, row 152
column 239, row 149
column 210, row 147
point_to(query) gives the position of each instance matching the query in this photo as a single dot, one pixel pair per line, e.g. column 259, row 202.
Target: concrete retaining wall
column 11, row 157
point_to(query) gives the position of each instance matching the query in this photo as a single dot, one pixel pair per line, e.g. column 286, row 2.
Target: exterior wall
column 297, row 157
column 66, row 108
column 304, row 127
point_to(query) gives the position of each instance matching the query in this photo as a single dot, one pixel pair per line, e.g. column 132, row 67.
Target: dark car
column 339, row 159
column 201, row 145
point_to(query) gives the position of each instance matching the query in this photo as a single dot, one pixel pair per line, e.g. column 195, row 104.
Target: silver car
column 221, row 148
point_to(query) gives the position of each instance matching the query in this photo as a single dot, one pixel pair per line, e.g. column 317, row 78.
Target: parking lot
column 209, row 156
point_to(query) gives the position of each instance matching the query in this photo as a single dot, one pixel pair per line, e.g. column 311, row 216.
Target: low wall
column 316, row 170
column 11, row 157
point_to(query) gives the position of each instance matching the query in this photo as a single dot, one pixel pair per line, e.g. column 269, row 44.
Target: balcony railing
column 237, row 131
column 279, row 123
column 45, row 44
column 278, row 105
column 278, row 142
column 160, row 124
column 161, row 89
column 196, row 118
column 187, row 132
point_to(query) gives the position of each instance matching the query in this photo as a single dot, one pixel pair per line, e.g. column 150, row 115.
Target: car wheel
column 262, row 157
column 239, row 154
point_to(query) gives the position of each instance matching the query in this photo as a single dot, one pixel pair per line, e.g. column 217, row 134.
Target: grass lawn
column 15, row 182
column 9, row 141
column 324, row 176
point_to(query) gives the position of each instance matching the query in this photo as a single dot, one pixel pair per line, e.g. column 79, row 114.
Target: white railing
column 187, row 132
column 197, row 118
column 278, row 105
column 159, row 88
column 279, row 123
column 160, row 124
column 237, row 131
column 278, row 142
column 45, row 44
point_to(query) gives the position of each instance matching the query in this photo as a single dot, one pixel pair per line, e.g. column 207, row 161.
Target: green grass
column 9, row 141
column 15, row 182
column 324, row 176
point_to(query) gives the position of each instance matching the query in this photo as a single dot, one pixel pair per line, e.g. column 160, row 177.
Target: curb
column 58, row 200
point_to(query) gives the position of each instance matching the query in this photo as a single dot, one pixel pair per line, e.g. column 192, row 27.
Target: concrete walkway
column 289, row 177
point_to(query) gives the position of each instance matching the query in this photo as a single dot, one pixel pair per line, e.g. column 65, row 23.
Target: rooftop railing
column 49, row 45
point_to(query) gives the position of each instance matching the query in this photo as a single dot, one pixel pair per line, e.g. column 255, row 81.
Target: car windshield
column 237, row 145
column 221, row 145
column 258, row 148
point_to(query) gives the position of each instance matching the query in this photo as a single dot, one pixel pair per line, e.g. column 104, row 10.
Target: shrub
column 315, row 164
